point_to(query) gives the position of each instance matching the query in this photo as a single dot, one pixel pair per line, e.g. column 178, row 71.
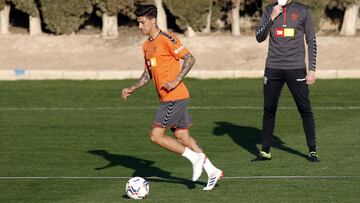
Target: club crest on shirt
column 294, row 16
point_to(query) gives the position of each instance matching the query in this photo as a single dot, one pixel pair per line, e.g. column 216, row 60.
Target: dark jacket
column 286, row 43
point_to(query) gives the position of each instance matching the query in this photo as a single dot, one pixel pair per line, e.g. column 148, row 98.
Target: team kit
column 287, row 23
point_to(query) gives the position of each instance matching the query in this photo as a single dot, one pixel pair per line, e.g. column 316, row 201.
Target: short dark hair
column 148, row 11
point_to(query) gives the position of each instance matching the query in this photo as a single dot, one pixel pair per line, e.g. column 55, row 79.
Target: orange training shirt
column 162, row 56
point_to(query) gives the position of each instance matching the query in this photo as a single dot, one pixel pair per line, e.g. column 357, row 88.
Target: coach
column 287, row 22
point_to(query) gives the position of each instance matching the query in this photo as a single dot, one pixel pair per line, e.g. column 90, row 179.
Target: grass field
column 83, row 131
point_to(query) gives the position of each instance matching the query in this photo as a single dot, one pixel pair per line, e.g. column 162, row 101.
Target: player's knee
column 155, row 136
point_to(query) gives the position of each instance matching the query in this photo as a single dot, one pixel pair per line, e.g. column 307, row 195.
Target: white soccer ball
column 137, row 188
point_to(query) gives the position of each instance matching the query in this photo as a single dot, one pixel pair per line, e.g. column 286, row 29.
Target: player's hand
column 126, row 92
column 310, row 78
column 276, row 12
column 170, row 85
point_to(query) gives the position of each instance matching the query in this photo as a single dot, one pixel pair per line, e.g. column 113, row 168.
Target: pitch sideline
column 154, row 107
column 159, row 178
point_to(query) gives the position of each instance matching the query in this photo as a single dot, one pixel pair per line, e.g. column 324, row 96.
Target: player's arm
column 189, row 61
column 143, row 80
column 311, row 43
column 267, row 20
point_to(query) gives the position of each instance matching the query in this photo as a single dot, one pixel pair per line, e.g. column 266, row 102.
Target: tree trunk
column 207, row 29
column 161, row 15
column 348, row 27
column 109, row 26
column 235, row 23
column 35, row 25
column 4, row 20
column 190, row 32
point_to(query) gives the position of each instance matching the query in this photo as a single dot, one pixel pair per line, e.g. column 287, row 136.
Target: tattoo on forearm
column 144, row 79
column 189, row 61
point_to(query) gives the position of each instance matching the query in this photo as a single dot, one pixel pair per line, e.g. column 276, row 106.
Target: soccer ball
column 137, row 188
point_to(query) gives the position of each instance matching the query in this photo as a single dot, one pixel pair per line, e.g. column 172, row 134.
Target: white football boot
column 214, row 179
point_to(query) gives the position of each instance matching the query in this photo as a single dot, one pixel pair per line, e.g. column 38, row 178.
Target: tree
column 27, row 6
column 235, row 18
column 221, row 10
column 2, row 4
column 191, row 16
column 161, row 15
column 207, row 28
column 4, row 17
column 317, row 8
column 348, row 27
column 30, row 7
column 65, row 16
column 351, row 9
column 109, row 9
column 229, row 12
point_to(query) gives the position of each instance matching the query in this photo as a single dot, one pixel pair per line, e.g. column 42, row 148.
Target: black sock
column 267, row 149
column 312, row 148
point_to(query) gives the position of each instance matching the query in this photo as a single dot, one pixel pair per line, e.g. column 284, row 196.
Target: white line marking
column 159, row 178
column 154, row 107
column 294, row 177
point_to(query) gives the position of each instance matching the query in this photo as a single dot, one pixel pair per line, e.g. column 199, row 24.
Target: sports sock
column 266, row 149
column 192, row 156
column 209, row 167
column 312, row 148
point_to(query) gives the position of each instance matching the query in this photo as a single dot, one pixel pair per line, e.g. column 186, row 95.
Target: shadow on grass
column 248, row 137
column 142, row 168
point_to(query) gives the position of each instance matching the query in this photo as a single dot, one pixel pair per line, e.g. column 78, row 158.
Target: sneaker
column 214, row 179
column 314, row 157
column 198, row 167
column 263, row 156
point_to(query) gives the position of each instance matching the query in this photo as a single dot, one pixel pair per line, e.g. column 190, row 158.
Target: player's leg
column 300, row 92
column 181, row 128
column 168, row 116
column 273, row 84
column 183, row 136
column 158, row 136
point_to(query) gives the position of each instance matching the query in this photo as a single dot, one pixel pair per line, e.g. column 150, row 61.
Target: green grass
column 85, row 130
